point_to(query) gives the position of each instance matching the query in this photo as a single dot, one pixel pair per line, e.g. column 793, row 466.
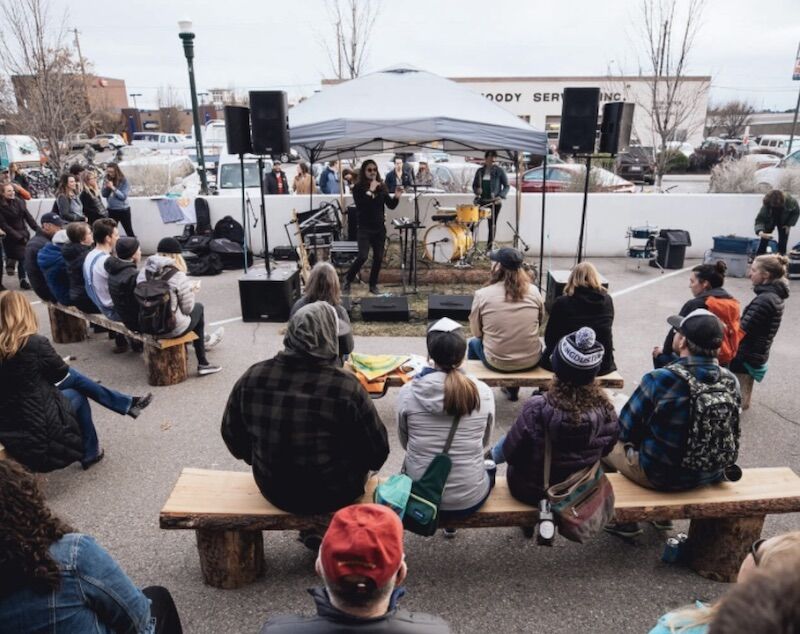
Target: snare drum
column 451, row 241
column 466, row 214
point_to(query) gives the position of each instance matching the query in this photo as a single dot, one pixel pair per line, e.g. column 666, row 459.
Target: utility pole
column 83, row 73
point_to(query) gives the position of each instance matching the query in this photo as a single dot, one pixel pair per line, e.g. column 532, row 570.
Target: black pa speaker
column 269, row 298
column 578, row 120
column 556, row 281
column 456, row 307
column 237, row 130
column 269, row 118
column 385, row 309
column 615, row 130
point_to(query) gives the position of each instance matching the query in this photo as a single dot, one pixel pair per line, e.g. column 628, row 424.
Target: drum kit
column 454, row 239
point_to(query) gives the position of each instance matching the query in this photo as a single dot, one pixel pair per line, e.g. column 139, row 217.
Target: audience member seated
column 122, row 273
column 579, row 418
column 585, row 302
column 505, row 318
column 307, row 426
column 323, row 286
column 58, row 580
column 426, row 408
column 665, row 443
column 705, row 283
column 54, row 268
column 14, row 222
column 766, row 556
column 45, row 418
column 75, row 252
column 169, row 264
column 362, row 564
column 762, row 316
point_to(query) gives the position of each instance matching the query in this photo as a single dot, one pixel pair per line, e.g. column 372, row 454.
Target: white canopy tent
column 402, row 108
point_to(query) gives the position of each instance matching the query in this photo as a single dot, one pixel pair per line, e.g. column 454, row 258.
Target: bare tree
column 170, row 106
column 352, row 22
column 730, row 118
column 670, row 99
column 50, row 93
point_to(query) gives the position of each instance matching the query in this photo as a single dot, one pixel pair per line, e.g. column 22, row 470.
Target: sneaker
column 139, row 403
column 25, row 285
column 511, row 392
column 202, row 369
column 662, row 525
column 214, row 338
column 86, row 464
column 374, row 289
column 627, row 531
column 449, row 533
column 137, row 346
column 311, row 539
column 120, row 347
column 528, row 531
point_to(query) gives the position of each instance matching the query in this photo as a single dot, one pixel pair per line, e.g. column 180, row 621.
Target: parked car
column 762, row 159
column 112, row 140
column 778, row 143
column 561, row 177
column 769, row 177
column 454, row 177
column 636, row 165
column 229, row 176
column 20, row 149
column 713, row 149
column 168, row 141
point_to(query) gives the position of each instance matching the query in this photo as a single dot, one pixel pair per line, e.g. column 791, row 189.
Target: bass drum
column 447, row 243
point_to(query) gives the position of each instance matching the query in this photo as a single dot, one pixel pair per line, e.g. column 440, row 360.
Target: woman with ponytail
column 426, row 408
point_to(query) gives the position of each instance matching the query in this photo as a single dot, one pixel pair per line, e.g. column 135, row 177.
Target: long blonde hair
column 177, row 258
column 323, row 285
column 777, row 552
column 584, row 275
column 17, row 323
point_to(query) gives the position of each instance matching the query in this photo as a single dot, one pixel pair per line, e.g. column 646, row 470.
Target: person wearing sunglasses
column 371, row 197
column 765, row 556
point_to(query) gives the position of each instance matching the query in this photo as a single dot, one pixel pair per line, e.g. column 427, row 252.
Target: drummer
column 490, row 187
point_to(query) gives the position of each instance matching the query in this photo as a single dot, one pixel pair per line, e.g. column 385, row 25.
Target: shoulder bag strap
column 548, row 456
column 452, row 433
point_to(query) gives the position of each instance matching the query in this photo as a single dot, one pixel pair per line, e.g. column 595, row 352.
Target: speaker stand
column 263, row 214
column 583, row 213
column 245, row 223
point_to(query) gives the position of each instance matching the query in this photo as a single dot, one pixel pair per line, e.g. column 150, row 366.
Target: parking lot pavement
column 484, row 580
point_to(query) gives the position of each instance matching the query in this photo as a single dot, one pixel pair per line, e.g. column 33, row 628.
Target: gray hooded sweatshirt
column 182, row 301
column 423, row 427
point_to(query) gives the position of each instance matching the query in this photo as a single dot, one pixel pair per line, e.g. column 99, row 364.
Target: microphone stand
column 245, row 224
column 263, row 214
column 413, row 271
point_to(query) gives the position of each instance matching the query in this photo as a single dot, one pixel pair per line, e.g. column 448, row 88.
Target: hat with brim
column 702, row 327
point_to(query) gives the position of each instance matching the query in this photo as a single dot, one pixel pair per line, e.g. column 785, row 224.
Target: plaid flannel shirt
column 309, row 430
column 656, row 419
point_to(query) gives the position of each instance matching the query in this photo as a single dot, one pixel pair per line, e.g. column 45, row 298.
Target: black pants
column 123, row 217
column 163, row 610
column 493, row 218
column 366, row 239
column 783, row 240
column 197, row 325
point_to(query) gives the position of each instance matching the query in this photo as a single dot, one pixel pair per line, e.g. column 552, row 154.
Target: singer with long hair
column 371, row 197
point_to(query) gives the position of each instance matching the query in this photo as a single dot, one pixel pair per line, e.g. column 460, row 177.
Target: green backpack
column 422, row 509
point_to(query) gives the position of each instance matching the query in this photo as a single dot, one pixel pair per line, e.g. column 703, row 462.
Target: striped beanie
column 577, row 357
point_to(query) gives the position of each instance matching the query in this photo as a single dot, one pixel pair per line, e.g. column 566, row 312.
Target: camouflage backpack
column 712, row 441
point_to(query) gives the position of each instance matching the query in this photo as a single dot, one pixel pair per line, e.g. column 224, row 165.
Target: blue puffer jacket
column 52, row 264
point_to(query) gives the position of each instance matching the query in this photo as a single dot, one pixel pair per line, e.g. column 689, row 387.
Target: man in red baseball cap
column 361, row 562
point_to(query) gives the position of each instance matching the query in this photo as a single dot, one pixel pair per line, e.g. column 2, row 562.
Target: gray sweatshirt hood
column 429, row 391
column 312, row 331
column 154, row 264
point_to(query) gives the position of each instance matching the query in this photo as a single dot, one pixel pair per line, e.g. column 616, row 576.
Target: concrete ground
column 488, row 579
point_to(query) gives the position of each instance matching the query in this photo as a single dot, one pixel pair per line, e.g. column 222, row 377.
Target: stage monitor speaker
column 269, row 297
column 393, row 308
column 615, row 130
column 237, row 130
column 269, row 118
column 456, row 307
column 556, row 281
column 578, row 120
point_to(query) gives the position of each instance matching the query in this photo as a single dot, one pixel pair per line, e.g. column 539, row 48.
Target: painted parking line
column 655, row 280
column 225, row 321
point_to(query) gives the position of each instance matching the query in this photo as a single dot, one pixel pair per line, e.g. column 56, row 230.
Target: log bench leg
column 746, row 385
column 66, row 328
column 717, row 547
column 166, row 366
column 230, row 559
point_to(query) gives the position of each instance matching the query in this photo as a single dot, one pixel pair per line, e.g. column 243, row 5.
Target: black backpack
column 230, row 253
column 154, row 296
column 229, row 229
column 203, row 214
column 204, row 264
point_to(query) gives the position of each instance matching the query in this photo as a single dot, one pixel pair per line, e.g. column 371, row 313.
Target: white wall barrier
column 608, row 218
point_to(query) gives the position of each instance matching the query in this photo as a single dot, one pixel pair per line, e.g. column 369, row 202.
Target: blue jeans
column 77, row 387
column 498, row 455
column 475, row 350
column 462, row 513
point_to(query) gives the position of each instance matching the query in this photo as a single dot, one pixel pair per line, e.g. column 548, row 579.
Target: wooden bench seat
column 228, row 513
column 166, row 359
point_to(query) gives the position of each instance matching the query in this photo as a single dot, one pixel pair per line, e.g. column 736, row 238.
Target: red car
column 562, row 176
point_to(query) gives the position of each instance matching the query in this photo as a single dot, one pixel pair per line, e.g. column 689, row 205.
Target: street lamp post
column 134, row 95
column 187, row 37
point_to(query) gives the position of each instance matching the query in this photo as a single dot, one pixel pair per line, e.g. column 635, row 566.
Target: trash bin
column 671, row 247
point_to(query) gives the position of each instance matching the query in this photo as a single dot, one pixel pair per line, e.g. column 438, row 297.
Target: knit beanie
column 577, row 357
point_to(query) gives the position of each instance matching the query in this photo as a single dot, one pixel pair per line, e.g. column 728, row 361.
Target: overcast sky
column 747, row 47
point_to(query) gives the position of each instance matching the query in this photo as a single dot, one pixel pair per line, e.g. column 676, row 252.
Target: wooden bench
column 166, row 359
column 228, row 513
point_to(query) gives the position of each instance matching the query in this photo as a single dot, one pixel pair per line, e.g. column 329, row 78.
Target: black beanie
column 168, row 245
column 577, row 357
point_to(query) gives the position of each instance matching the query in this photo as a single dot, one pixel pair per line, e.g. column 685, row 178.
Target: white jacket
column 182, row 301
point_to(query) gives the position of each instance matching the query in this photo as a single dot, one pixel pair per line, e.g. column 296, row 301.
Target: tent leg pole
column 541, row 235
